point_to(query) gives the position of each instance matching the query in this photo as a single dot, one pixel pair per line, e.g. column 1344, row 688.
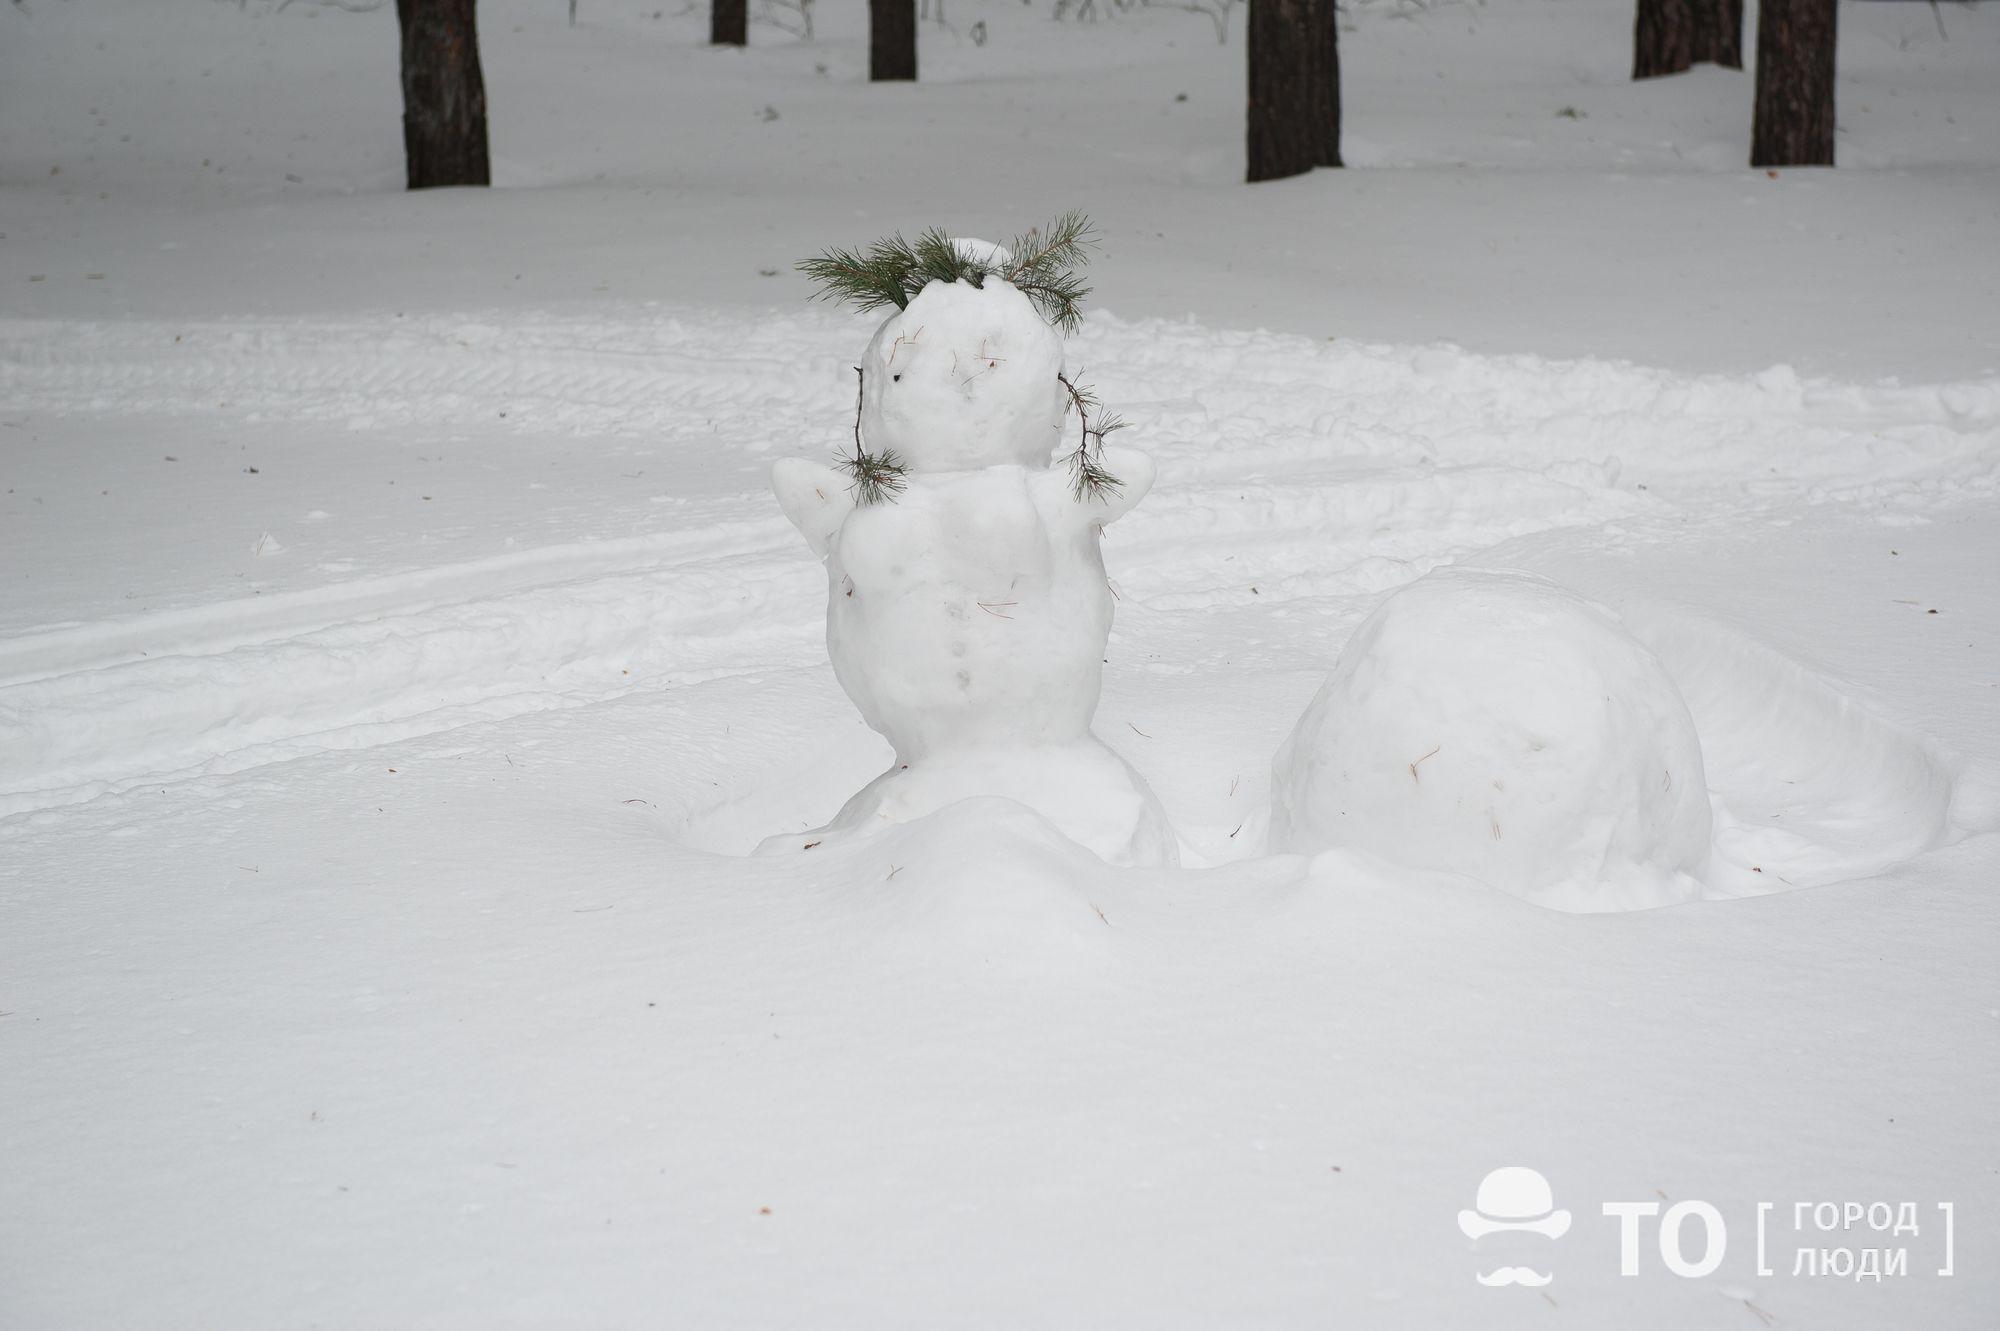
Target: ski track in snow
column 1296, row 468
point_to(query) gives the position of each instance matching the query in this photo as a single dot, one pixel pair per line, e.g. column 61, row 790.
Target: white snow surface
column 400, row 654
column 1501, row 727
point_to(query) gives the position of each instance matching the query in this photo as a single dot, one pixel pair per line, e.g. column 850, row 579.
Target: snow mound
column 964, row 377
column 986, row 875
column 1082, row 788
column 1809, row 787
column 1500, row 726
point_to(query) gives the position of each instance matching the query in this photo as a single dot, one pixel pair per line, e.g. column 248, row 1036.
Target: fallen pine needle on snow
column 1426, row 758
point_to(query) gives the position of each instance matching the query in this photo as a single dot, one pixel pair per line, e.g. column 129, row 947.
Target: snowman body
column 967, row 618
column 974, row 609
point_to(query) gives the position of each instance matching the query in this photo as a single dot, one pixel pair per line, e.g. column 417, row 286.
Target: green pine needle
column 1044, row 268
column 1089, row 478
column 938, row 260
column 875, row 478
column 866, row 281
column 892, row 270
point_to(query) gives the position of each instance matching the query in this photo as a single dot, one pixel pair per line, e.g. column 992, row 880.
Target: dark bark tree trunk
column 1793, row 125
column 1326, row 83
column 892, row 40
column 729, row 23
column 1663, row 37
column 444, row 94
column 1718, row 33
column 1294, row 122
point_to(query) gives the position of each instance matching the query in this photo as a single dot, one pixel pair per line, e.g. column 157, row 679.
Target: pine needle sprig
column 940, row 260
column 1089, row 477
column 867, row 280
column 1044, row 268
column 875, row 478
column 1090, row 480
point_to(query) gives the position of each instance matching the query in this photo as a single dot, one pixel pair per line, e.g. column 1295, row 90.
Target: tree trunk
column 729, row 23
column 1294, row 122
column 1718, row 33
column 892, row 40
column 1326, row 83
column 444, row 94
column 1663, row 37
column 1794, row 118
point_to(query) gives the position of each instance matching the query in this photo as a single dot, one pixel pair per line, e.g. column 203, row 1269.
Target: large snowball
column 1499, row 726
column 964, row 377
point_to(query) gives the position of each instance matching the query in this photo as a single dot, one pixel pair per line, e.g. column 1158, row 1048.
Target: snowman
column 967, row 605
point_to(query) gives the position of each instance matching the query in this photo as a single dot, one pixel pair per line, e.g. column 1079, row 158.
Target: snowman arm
column 1135, row 472
column 817, row 498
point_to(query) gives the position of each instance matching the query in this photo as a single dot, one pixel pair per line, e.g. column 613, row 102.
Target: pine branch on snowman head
column 875, row 478
column 1044, row 266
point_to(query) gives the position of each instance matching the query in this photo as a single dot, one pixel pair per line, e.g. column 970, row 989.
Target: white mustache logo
column 1514, row 1275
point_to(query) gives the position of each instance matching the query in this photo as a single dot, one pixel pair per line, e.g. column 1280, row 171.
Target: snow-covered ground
column 400, row 651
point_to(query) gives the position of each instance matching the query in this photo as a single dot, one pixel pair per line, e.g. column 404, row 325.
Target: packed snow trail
column 1314, row 475
column 234, row 701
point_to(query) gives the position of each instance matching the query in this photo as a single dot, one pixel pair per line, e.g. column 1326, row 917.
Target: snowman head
column 964, row 377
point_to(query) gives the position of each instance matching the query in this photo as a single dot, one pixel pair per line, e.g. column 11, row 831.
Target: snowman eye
column 897, row 377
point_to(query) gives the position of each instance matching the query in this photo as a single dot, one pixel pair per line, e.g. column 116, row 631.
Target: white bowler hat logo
column 1514, row 1198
